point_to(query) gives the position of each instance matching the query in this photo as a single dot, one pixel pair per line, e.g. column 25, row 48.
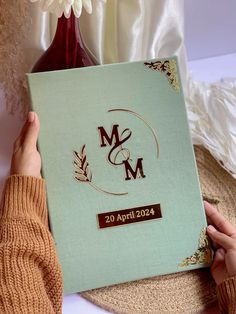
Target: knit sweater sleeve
column 226, row 293
column 30, row 274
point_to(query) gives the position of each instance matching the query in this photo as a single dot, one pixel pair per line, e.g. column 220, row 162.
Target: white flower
column 58, row 7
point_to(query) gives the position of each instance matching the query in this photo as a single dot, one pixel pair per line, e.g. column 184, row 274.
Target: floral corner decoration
column 203, row 255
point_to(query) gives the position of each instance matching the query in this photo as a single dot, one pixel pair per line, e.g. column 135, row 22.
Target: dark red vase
column 66, row 50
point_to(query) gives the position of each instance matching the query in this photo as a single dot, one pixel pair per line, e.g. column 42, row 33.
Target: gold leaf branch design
column 203, row 255
column 83, row 172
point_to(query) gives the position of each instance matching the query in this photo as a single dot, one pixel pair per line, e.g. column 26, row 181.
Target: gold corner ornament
column 169, row 68
column 203, row 254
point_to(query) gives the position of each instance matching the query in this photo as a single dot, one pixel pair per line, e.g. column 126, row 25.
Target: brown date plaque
column 128, row 216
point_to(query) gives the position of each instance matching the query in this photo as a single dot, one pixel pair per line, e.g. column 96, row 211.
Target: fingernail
column 31, row 116
column 211, row 228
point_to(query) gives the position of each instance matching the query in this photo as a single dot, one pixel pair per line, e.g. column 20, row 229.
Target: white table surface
column 214, row 69
column 210, row 70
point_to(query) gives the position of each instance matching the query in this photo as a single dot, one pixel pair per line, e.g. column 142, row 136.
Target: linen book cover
column 122, row 185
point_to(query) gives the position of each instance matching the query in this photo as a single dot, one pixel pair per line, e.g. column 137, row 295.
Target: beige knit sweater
column 30, row 274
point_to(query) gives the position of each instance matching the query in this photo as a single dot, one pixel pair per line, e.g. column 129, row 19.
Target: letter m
column 134, row 173
column 109, row 139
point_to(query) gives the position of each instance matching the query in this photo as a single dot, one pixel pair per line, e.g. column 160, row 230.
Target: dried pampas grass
column 15, row 24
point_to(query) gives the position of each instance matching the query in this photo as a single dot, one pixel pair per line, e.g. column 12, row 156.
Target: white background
column 210, row 27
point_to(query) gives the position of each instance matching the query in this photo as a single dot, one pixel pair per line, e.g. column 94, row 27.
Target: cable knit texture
column 30, row 274
column 226, row 293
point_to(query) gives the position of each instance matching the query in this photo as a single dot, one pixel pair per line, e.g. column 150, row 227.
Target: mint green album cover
column 122, row 186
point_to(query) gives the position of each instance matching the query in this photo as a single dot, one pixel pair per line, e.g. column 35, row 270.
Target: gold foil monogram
column 169, row 69
column 115, row 140
column 203, row 254
column 117, row 155
column 145, row 122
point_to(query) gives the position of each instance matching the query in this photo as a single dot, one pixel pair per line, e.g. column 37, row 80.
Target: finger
column 219, row 220
column 215, row 245
column 20, row 138
column 219, row 257
column 218, row 267
column 220, row 238
column 209, row 221
column 32, row 131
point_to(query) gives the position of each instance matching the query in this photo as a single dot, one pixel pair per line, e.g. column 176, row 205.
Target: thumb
column 220, row 238
column 32, row 131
